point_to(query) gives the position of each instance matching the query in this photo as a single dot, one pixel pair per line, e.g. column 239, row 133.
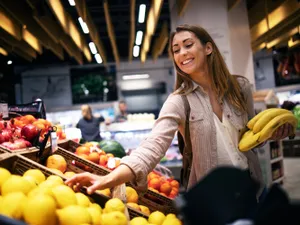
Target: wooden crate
column 21, row 150
column 69, row 145
column 79, row 165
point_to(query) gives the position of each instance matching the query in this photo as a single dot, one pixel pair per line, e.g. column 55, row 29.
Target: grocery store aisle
column 292, row 177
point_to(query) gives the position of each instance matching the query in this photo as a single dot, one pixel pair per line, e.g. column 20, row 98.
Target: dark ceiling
column 120, row 15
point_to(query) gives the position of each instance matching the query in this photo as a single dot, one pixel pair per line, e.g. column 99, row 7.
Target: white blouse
column 227, row 144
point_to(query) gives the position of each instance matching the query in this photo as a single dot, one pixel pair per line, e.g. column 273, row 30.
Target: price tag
column 4, row 110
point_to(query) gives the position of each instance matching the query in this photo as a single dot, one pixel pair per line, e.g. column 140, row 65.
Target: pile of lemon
column 38, row 200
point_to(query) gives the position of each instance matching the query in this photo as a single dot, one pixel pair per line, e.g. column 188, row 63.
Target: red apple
column 6, row 134
column 29, row 132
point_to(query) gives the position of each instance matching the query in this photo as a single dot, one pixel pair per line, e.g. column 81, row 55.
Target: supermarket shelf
column 278, row 180
column 277, row 159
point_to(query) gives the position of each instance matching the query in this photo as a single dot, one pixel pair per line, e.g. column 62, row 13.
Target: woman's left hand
column 282, row 132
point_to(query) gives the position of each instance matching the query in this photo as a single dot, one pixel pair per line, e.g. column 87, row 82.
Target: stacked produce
column 164, row 186
column 262, row 126
column 19, row 132
column 38, row 201
column 92, row 152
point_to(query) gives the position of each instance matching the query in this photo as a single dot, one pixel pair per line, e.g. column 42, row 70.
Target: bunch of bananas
column 262, row 126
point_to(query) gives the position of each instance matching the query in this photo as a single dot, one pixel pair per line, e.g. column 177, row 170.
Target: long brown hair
column 224, row 84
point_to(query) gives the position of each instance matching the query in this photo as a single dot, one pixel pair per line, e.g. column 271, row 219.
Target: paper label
column 4, row 110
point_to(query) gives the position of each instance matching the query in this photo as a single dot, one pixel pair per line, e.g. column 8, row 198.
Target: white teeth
column 186, row 61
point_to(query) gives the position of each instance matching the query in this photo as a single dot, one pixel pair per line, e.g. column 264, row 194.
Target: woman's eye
column 176, row 51
column 189, row 45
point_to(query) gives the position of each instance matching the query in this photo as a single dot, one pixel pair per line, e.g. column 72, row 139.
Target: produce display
column 90, row 151
column 19, row 132
column 262, row 126
column 165, row 186
column 39, row 200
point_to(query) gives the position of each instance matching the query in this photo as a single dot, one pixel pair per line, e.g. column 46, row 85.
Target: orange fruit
column 88, row 144
column 153, row 175
column 131, row 195
column 165, row 188
column 154, row 183
column 82, row 150
column 175, row 184
column 57, row 162
column 84, row 156
column 94, row 157
column 103, row 160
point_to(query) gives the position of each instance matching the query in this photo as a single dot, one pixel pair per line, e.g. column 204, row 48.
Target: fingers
column 82, row 178
column 96, row 186
column 285, row 131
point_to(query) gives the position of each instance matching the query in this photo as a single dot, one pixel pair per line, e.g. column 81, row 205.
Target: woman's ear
column 208, row 48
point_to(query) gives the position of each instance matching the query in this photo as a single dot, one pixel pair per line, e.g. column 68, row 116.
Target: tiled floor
column 292, row 177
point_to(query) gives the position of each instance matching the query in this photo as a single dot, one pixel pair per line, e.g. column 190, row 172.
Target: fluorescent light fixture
column 136, row 51
column 139, row 37
column 142, row 13
column 83, row 25
column 135, row 76
column 9, row 62
column 93, row 48
column 98, row 58
column 72, row 2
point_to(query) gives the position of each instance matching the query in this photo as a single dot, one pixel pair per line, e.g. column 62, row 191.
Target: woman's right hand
column 93, row 182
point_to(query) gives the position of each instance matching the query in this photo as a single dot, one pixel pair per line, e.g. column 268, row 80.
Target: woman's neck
column 204, row 80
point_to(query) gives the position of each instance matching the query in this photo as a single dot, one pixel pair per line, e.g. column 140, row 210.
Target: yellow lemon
column 113, row 205
column 15, row 184
column 73, row 215
column 131, row 195
column 36, row 174
column 96, row 206
column 145, row 210
column 4, row 175
column 40, row 210
column 32, row 182
column 105, row 192
column 82, row 200
column 40, row 191
column 138, row 221
column 11, row 205
column 172, row 221
column 56, row 178
column 156, row 218
column 134, row 205
column 49, row 183
column 95, row 215
column 116, row 218
column 170, row 215
column 56, row 171
column 64, row 196
column 69, row 174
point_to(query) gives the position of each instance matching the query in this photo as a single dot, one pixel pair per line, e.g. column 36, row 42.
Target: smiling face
column 189, row 53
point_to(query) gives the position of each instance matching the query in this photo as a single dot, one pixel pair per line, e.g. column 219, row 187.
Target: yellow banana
column 276, row 122
column 248, row 141
column 267, row 117
column 252, row 122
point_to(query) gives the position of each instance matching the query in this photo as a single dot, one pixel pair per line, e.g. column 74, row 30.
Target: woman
column 220, row 107
column 89, row 125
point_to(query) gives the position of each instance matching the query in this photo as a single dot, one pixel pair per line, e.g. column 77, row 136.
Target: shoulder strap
column 187, row 124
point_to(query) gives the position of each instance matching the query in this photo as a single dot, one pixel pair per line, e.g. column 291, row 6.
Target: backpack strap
column 185, row 147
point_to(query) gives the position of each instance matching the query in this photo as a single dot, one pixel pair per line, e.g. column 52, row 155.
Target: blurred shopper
column 220, row 106
column 89, row 125
column 122, row 116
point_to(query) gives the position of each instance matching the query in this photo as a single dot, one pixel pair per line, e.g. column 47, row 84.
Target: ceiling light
column 142, row 13
column 135, row 76
column 72, row 2
column 98, row 58
column 93, row 48
column 136, row 51
column 83, row 25
column 9, row 62
column 139, row 37
column 3, row 51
